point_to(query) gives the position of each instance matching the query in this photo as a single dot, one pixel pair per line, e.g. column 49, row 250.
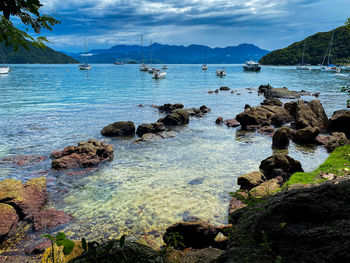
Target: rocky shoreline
column 267, row 189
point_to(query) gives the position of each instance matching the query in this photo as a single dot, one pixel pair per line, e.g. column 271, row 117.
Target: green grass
column 338, row 163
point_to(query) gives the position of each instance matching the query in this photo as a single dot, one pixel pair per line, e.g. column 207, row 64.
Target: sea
column 148, row 186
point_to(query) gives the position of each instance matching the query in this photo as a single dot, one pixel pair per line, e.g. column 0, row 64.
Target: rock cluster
column 86, row 154
column 270, row 92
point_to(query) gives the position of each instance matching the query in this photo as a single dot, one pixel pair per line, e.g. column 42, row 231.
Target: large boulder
column 168, row 107
column 176, row 117
column 26, row 198
column 250, row 180
column 272, row 102
column 309, row 224
column 150, row 128
column 306, row 135
column 232, row 123
column 279, row 165
column 86, row 154
column 270, row 92
column 8, row 221
column 266, row 188
column 50, row 218
column 280, row 138
column 195, row 234
column 336, row 140
column 119, row 129
column 310, row 114
column 340, row 122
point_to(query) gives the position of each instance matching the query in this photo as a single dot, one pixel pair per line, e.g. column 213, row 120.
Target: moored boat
column 204, row 67
column 329, row 67
column 119, row 63
column 143, row 66
column 251, row 66
column 221, row 72
column 4, row 69
column 342, row 76
column 165, row 67
column 84, row 62
column 158, row 75
column 303, row 65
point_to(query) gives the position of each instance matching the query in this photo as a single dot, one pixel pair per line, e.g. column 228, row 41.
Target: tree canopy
column 28, row 13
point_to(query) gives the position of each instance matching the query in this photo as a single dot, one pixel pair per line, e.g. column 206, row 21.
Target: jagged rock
column 149, row 137
column 86, row 154
column 167, row 108
column 196, row 234
column 316, row 94
column 311, row 114
column 270, row 92
column 336, row 140
column 224, row 88
column 27, row 198
column 340, row 122
column 250, row 180
column 50, row 218
column 8, row 221
column 176, row 117
column 266, row 188
column 219, row 120
column 309, row 224
column 119, row 129
column 150, row 128
column 306, row 135
column 280, row 138
column 272, row 166
column 234, row 205
column 232, row 123
column 272, row 102
column 266, row 130
column 216, row 91
column 247, row 107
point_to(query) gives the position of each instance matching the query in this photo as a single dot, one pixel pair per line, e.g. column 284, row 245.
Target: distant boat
column 84, row 62
column 303, row 65
column 165, row 67
column 221, row 72
column 5, row 68
column 143, row 66
column 345, row 68
column 204, row 66
column 329, row 67
column 158, row 75
column 119, row 63
column 342, row 76
column 151, row 69
column 251, row 66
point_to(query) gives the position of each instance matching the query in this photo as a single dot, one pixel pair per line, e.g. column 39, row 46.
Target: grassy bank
column 337, row 164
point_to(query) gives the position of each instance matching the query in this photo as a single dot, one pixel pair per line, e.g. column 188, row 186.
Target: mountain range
column 172, row 54
column 315, row 49
column 34, row 55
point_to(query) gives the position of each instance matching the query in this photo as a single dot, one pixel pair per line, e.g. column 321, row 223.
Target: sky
column 269, row 24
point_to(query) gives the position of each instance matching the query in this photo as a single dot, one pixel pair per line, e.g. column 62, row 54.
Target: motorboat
column 251, row 66
column 84, row 67
column 221, row 72
column 158, row 75
column 303, row 67
column 165, row 67
column 119, row 63
column 330, row 68
column 4, row 69
column 204, row 67
column 342, row 76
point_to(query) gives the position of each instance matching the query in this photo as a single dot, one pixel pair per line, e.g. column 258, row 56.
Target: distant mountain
column 316, row 46
column 171, row 54
column 35, row 55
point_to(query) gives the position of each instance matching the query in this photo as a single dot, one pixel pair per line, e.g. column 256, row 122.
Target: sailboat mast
column 330, row 47
column 302, row 59
column 141, row 48
column 150, row 47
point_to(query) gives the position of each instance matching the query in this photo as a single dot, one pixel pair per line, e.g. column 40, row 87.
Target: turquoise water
column 147, row 186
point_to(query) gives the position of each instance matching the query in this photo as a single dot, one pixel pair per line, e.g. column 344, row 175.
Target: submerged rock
column 119, row 129
column 224, row 88
column 266, row 130
column 150, row 128
column 270, row 92
column 86, row 154
column 234, row 205
column 50, row 218
column 232, row 123
column 279, row 165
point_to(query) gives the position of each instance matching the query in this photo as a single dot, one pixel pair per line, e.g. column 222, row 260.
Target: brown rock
column 232, row 123
column 340, row 122
column 27, row 199
column 119, row 129
column 21, row 160
column 336, row 140
column 311, row 114
column 250, row 180
column 234, row 205
column 168, row 107
column 306, row 135
column 50, row 218
column 86, row 154
column 219, row 120
column 266, row 188
column 280, row 138
column 150, row 128
column 272, row 102
column 8, row 221
column 176, row 117
column 224, row 88
column 266, row 130
column 38, row 248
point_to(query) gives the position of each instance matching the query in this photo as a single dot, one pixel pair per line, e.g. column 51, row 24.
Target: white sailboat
column 329, row 67
column 303, row 66
column 204, row 66
column 143, row 66
column 158, row 75
column 84, row 62
column 150, row 69
column 221, row 72
column 4, row 68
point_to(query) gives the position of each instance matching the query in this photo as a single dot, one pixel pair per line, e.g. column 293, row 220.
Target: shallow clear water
column 147, row 186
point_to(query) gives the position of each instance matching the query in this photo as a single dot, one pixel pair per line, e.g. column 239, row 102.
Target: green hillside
column 316, row 46
column 35, row 55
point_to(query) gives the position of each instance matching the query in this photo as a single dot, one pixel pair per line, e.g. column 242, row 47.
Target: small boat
column 345, row 68
column 151, row 70
column 204, row 67
column 221, row 72
column 328, row 54
column 303, row 65
column 4, row 69
column 158, row 75
column 119, row 63
column 330, row 68
column 165, row 67
column 251, row 66
column 342, row 76
column 143, row 66
column 84, row 62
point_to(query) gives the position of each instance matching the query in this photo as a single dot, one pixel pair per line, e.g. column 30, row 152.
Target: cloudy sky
column 270, row 24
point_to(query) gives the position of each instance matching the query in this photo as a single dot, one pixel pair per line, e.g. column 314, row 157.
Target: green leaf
column 122, row 241
column 83, row 244
column 61, row 236
column 48, row 236
column 67, row 244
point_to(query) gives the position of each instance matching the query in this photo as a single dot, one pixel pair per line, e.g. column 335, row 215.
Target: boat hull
column 343, row 76
column 256, row 69
column 4, row 70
